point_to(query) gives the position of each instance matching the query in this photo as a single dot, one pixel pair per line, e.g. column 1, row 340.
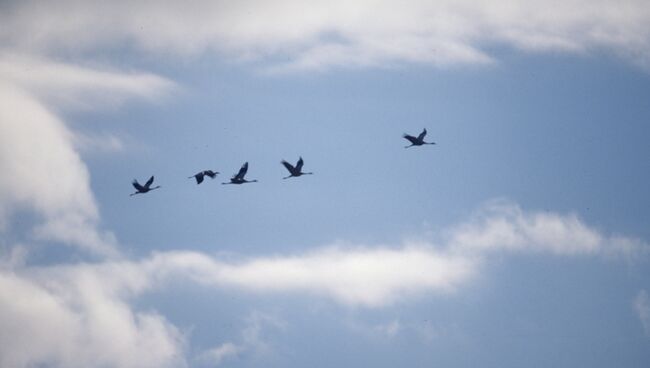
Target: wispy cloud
column 500, row 225
column 215, row 356
column 642, row 308
column 323, row 34
column 64, row 85
column 360, row 276
column 389, row 329
column 251, row 341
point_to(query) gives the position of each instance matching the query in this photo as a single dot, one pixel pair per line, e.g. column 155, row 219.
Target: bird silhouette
column 295, row 171
column 199, row 177
column 239, row 177
column 417, row 141
column 141, row 189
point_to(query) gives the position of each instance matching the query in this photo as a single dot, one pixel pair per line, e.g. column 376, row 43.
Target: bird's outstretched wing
column 149, row 182
column 199, row 178
column 242, row 172
column 410, row 138
column 210, row 173
column 137, row 185
column 299, row 164
column 289, row 167
column 421, row 136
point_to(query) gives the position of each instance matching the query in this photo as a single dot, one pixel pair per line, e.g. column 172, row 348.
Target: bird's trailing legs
column 295, row 176
column 414, row 145
column 148, row 190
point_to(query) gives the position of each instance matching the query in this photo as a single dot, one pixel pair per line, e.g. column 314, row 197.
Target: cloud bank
column 322, row 34
column 82, row 314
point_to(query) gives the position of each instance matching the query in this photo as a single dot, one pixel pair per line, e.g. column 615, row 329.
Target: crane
column 239, row 177
column 295, row 171
column 141, row 189
column 199, row 177
column 417, row 141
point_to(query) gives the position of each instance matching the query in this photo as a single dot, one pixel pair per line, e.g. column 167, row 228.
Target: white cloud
column 502, row 225
column 381, row 275
column 377, row 276
column 77, row 323
column 42, row 171
column 642, row 308
column 369, row 277
column 321, row 34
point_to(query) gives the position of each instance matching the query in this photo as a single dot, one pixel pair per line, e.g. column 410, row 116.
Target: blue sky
column 520, row 238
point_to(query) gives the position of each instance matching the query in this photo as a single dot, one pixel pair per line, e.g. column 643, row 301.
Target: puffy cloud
column 42, row 171
column 79, row 324
column 320, row 34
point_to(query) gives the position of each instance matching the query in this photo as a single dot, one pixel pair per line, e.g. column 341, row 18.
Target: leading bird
column 417, row 141
column 141, row 189
column 239, row 178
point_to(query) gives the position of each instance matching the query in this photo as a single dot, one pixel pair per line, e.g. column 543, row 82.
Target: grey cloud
column 324, row 34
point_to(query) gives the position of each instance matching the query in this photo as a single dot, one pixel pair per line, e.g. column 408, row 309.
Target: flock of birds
column 239, row 178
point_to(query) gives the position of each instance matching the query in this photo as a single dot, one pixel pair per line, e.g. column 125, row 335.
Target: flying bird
column 295, row 171
column 141, row 189
column 417, row 141
column 199, row 177
column 239, row 177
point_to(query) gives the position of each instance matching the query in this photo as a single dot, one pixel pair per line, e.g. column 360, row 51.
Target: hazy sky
column 521, row 238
